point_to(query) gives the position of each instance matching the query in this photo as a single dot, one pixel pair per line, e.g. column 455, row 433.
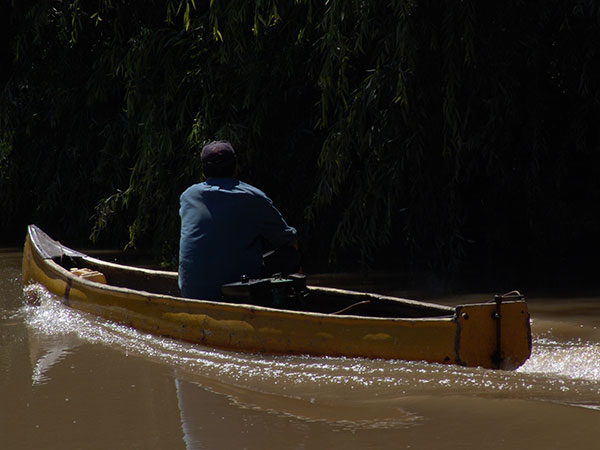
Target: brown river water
column 74, row 381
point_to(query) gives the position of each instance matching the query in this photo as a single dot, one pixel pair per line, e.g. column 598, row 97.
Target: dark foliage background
column 419, row 134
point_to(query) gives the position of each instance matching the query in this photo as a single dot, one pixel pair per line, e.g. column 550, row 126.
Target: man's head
column 218, row 159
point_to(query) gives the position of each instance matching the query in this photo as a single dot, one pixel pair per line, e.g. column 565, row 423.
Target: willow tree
column 423, row 132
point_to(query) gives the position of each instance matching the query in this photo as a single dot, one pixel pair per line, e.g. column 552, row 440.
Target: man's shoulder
column 246, row 187
column 198, row 187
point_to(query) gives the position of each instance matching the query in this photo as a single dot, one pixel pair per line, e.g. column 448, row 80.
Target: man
column 224, row 225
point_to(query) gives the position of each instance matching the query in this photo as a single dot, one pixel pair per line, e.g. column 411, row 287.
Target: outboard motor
column 276, row 292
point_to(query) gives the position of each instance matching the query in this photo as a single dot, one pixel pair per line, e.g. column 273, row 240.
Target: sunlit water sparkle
column 563, row 372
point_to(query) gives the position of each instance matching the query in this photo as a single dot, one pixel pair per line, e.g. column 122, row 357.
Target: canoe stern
column 493, row 335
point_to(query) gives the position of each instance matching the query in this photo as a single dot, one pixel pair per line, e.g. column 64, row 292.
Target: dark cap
column 217, row 154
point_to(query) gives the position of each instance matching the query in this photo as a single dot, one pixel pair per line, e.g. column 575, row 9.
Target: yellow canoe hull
column 466, row 335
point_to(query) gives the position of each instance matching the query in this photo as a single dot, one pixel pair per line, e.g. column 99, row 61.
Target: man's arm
column 274, row 227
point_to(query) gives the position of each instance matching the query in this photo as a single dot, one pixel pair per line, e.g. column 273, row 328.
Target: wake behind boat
column 283, row 315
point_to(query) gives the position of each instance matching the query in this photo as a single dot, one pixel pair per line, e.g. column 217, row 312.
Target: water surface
column 71, row 380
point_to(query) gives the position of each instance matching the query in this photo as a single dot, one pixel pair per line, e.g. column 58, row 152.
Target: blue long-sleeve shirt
column 223, row 224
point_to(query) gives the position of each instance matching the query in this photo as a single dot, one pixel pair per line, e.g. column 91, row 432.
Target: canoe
column 314, row 321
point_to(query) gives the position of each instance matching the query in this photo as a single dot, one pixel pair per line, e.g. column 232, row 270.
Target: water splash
column 573, row 359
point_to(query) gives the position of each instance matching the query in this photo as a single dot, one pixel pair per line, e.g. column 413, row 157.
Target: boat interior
column 290, row 292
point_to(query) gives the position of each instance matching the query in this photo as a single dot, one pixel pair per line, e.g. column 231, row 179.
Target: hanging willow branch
column 411, row 130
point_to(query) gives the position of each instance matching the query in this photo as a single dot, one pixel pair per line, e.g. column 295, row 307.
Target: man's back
column 223, row 224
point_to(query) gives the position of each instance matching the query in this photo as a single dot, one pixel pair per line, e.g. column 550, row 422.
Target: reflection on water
column 54, row 352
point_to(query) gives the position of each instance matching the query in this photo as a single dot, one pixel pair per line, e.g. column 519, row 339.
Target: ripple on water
column 565, row 372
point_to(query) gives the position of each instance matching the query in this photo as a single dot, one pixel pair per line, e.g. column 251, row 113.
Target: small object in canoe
column 89, row 274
